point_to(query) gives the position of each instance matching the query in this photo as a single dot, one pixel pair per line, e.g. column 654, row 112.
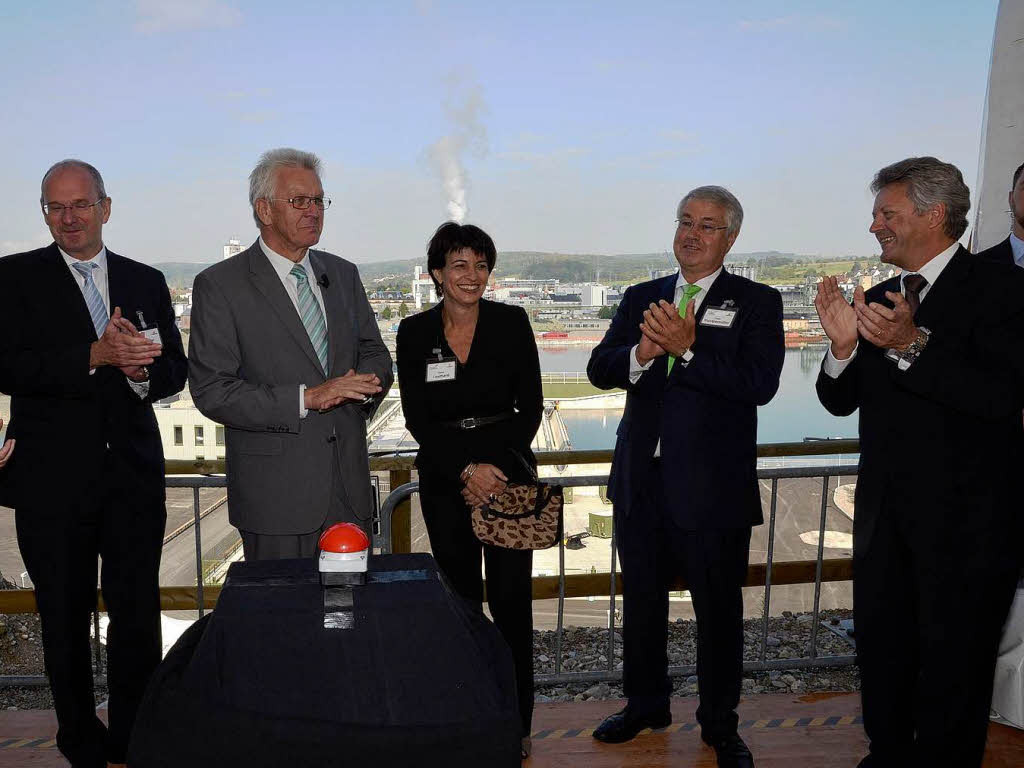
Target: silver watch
column 911, row 353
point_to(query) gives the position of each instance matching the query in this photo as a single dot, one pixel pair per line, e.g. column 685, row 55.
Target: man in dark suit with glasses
column 89, row 343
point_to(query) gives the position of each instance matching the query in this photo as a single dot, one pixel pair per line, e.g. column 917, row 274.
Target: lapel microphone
column 323, row 282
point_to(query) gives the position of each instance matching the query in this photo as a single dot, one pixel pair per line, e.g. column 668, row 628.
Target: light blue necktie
column 311, row 315
column 93, row 300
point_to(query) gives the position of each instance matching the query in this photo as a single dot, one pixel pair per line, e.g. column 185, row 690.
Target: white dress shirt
column 100, row 277
column 1017, row 246
column 930, row 272
column 283, row 267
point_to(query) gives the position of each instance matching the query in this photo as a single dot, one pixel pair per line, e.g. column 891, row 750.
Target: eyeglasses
column 705, row 229
column 79, row 206
column 302, row 202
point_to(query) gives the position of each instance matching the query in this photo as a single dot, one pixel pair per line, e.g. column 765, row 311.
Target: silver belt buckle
column 469, row 423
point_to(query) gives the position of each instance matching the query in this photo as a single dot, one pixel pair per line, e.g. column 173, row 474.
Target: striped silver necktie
column 93, row 299
column 311, row 315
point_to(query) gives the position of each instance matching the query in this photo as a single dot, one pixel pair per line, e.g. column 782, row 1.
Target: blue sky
column 579, row 124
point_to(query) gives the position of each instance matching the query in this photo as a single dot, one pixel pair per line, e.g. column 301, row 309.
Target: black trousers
column 122, row 521
column 653, row 549
column 929, row 604
column 509, row 582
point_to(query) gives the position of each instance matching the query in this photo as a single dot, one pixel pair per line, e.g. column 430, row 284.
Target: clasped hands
column 352, row 387
column 483, row 483
column 123, row 347
column 664, row 330
column 879, row 325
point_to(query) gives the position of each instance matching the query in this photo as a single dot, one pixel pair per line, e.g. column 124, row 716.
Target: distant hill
column 180, row 274
column 536, row 265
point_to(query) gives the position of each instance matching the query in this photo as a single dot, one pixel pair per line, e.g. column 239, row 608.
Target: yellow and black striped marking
column 27, row 743
column 550, row 733
column 788, row 722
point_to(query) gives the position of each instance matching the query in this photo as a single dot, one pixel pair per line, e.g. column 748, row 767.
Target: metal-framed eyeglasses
column 302, row 202
column 78, row 206
column 705, row 229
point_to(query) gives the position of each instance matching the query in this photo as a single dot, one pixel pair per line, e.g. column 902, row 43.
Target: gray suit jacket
column 248, row 353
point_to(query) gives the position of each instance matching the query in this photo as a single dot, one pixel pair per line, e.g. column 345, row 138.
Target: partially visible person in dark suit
column 87, row 476
column 697, row 352
column 470, row 382
column 1011, row 250
column 934, row 361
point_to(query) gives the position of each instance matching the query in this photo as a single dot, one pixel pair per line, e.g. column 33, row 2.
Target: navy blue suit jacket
column 1001, row 252
column 942, row 440
column 704, row 413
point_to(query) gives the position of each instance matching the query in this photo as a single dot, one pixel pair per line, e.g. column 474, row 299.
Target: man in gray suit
column 285, row 352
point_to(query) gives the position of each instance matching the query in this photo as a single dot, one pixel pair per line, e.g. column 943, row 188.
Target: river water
column 792, row 415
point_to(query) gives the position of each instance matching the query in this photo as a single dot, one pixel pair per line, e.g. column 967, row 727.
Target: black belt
column 479, row 421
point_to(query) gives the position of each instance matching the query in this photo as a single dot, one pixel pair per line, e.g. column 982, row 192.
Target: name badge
column 153, row 334
column 719, row 317
column 441, row 370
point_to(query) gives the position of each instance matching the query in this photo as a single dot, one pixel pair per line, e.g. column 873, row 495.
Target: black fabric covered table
column 419, row 676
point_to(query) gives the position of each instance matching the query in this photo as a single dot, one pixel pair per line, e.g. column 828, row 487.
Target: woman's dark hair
column 454, row 237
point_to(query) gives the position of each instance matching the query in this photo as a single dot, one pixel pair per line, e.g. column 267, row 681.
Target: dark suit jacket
column 63, row 417
column 249, row 352
column 704, row 413
column 501, row 374
column 1001, row 253
column 944, row 439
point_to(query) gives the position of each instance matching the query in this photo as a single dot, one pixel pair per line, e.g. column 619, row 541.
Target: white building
column 593, row 295
column 233, row 247
column 423, row 289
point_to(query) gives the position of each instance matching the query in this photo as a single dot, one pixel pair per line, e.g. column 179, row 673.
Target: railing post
column 199, row 551
column 401, row 518
column 768, row 568
column 817, row 570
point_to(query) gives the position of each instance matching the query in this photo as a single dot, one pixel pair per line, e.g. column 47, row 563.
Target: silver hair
column 261, row 180
column 97, row 180
column 720, row 196
column 929, row 181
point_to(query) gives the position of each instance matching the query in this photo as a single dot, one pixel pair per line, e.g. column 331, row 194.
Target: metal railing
column 394, row 536
column 832, row 570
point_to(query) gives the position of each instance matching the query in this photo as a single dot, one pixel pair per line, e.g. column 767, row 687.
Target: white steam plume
column 467, row 137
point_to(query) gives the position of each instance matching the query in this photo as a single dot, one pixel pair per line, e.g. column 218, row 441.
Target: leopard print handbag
column 523, row 516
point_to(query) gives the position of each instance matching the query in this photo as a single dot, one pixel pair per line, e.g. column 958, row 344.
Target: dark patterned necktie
column 912, row 287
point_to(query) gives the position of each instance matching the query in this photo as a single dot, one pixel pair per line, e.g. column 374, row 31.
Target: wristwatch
column 911, row 353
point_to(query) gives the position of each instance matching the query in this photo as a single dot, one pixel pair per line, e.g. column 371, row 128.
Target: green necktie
column 688, row 293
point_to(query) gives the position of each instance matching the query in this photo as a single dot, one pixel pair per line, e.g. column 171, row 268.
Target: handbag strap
column 529, row 469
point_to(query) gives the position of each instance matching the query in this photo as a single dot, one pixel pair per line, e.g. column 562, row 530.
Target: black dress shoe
column 626, row 723
column 732, row 752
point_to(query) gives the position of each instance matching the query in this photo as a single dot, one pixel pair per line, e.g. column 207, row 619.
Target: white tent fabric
column 1008, row 692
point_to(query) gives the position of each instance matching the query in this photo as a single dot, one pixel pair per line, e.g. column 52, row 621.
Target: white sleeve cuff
column 635, row 369
column 835, row 367
column 140, row 388
column 302, row 401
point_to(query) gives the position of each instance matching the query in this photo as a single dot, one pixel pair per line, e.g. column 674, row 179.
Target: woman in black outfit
column 474, row 420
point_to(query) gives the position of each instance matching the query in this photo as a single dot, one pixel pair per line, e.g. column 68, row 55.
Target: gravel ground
column 789, row 637
column 583, row 649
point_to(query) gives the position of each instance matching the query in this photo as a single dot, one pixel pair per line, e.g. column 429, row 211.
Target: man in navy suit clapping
column 696, row 352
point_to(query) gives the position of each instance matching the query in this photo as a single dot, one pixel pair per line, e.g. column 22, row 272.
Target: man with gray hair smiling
column 696, row 352
column 285, row 352
column 934, row 360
